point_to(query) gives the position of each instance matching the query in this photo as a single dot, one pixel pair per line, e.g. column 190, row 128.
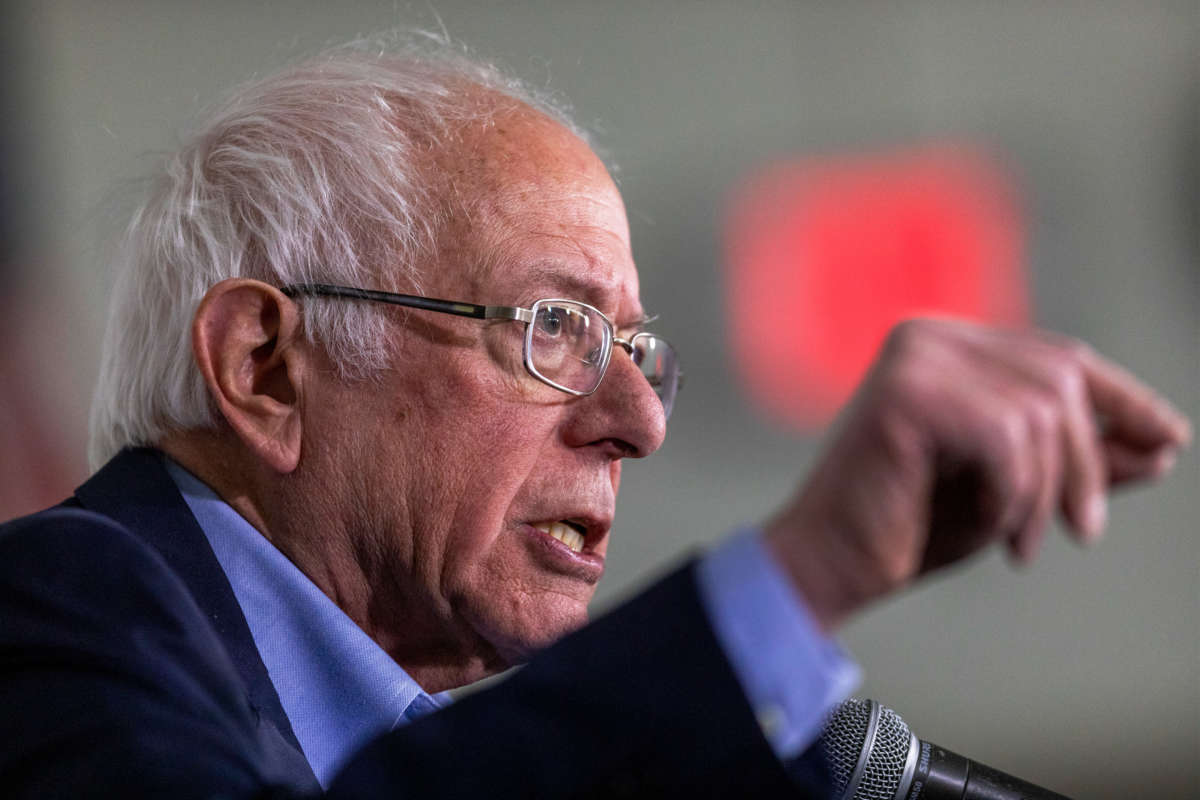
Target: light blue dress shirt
column 340, row 689
column 792, row 674
column 337, row 686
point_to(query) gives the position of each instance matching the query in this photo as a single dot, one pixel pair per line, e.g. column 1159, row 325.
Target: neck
column 304, row 525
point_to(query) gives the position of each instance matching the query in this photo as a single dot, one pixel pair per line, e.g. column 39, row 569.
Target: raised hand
column 962, row 435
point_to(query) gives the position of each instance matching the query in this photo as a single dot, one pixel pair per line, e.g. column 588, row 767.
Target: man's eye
column 550, row 322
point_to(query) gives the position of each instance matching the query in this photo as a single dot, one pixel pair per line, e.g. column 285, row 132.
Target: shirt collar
column 337, row 686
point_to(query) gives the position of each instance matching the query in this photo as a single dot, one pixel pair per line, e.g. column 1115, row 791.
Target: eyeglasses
column 568, row 344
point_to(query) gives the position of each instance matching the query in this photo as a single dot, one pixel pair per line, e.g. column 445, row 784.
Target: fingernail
column 1095, row 516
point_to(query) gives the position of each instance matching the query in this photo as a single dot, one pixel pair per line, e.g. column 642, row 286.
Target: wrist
column 820, row 578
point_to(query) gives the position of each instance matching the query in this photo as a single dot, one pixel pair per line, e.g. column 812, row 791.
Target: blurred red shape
column 826, row 255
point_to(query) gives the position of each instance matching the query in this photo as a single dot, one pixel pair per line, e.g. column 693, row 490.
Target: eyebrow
column 576, row 288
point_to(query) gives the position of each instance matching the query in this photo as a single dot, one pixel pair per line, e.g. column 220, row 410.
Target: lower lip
column 555, row 555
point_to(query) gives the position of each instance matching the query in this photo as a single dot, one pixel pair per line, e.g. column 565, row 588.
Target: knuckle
column 908, row 379
column 1069, row 383
column 919, row 352
column 1044, row 415
column 910, row 335
column 1010, row 433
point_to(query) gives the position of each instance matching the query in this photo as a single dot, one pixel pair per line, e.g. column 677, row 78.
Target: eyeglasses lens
column 568, row 344
column 656, row 358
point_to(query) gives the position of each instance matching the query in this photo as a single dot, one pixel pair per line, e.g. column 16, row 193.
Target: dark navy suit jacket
column 128, row 670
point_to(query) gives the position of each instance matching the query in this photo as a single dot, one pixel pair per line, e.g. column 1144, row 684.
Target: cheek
column 493, row 463
column 511, row 379
column 505, row 346
column 480, row 427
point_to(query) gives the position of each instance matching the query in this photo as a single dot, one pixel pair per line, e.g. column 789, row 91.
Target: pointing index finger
column 1130, row 411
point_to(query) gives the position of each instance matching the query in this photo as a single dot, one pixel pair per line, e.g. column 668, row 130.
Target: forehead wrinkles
column 524, row 179
column 559, row 179
column 538, row 233
column 576, row 219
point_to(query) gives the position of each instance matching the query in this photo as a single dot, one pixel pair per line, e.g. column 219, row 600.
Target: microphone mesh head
column 844, row 739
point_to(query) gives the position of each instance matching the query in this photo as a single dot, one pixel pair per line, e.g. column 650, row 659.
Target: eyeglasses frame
column 477, row 311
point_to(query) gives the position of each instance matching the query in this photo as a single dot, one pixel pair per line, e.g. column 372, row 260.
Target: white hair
column 310, row 175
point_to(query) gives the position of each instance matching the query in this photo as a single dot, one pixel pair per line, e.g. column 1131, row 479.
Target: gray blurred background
column 1080, row 672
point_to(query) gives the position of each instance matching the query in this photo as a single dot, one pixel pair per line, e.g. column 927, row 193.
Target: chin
column 520, row 642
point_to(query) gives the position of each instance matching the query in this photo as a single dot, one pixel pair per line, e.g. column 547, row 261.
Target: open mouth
column 566, row 531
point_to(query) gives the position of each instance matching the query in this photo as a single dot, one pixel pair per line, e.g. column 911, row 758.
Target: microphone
column 872, row 755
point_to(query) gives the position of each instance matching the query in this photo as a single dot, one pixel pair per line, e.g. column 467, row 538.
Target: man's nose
column 624, row 412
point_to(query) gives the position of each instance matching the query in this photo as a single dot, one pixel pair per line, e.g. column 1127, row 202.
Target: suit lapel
column 135, row 490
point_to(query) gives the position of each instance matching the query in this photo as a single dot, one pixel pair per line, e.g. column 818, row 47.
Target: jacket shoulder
column 108, row 670
column 74, row 558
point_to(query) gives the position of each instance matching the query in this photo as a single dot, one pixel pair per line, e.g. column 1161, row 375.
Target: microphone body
column 943, row 774
column 873, row 755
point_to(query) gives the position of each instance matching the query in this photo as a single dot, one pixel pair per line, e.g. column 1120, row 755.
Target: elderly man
column 375, row 359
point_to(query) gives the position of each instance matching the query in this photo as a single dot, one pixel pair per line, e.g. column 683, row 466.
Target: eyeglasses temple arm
column 508, row 312
column 409, row 300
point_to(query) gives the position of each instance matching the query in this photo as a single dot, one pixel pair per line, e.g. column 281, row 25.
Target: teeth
column 564, row 533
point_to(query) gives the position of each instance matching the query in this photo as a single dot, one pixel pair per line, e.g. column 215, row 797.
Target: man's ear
column 247, row 342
